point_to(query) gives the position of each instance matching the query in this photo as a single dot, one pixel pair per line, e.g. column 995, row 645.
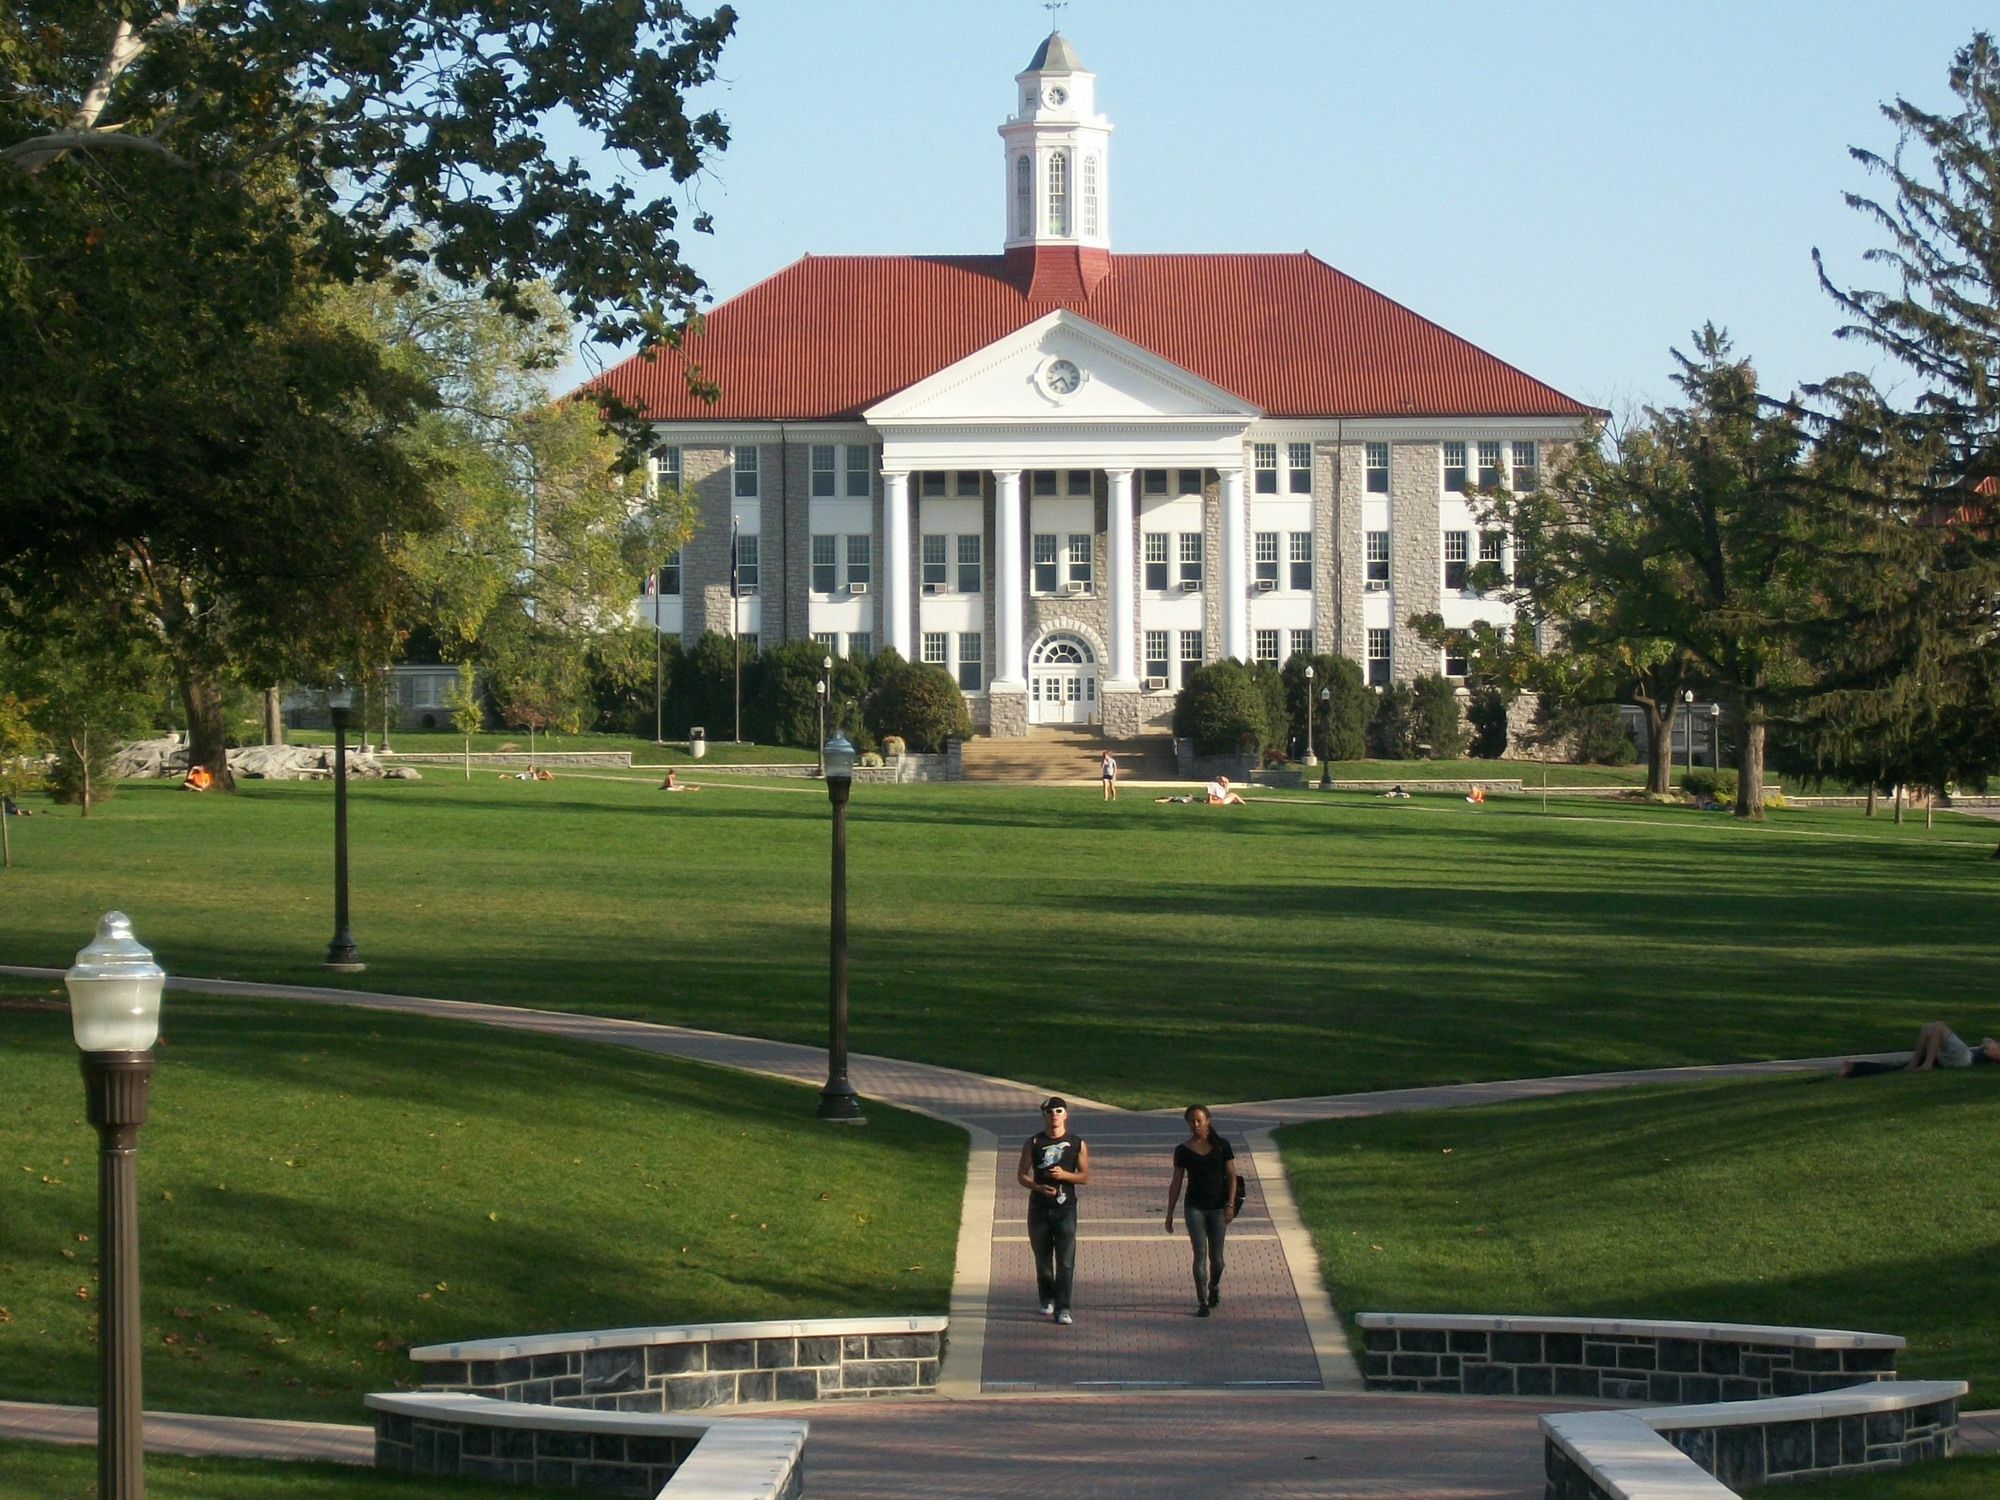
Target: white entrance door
column 1062, row 682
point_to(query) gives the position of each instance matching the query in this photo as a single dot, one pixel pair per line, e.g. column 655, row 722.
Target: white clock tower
column 1058, row 156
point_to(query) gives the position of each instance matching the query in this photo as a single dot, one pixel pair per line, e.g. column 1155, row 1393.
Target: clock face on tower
column 1057, row 97
column 1061, row 377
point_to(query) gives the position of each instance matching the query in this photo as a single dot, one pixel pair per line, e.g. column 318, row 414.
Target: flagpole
column 736, row 629
column 658, row 686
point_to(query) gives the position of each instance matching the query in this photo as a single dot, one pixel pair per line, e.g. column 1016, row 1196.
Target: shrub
column 1704, row 784
column 1435, row 721
column 1339, row 725
column 787, row 698
column 1488, row 715
column 919, row 703
column 1223, row 709
column 81, row 775
column 1590, row 734
column 1390, row 734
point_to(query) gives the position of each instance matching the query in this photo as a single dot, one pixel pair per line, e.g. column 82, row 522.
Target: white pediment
column 1063, row 369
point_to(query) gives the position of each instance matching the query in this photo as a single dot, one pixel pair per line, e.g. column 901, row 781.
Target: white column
column 1235, row 588
column 1007, row 611
column 896, row 566
column 1121, row 594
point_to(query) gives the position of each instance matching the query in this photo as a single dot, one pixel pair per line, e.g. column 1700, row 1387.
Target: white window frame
column 1154, row 544
column 1265, row 646
column 971, row 555
column 860, row 560
column 934, row 572
column 1299, row 554
column 860, row 471
column 825, row 462
column 825, row 563
column 1373, row 563
column 1264, row 558
column 744, row 466
column 1299, row 468
column 1264, row 467
column 1376, row 459
column 1454, row 462
column 972, row 658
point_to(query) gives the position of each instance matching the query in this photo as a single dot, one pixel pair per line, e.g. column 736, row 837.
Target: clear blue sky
column 1571, row 186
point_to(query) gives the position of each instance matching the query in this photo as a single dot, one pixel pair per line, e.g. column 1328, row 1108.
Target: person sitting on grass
column 1397, row 793
column 1938, row 1046
column 673, row 783
column 1477, row 796
column 12, row 809
column 198, row 779
column 1219, row 793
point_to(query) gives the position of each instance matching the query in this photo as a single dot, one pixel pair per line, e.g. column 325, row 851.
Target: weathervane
column 1052, row 6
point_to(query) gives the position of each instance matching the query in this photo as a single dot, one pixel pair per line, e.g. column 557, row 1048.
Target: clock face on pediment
column 1061, row 377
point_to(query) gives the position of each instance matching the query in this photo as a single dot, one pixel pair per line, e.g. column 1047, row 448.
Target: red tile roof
column 829, row 336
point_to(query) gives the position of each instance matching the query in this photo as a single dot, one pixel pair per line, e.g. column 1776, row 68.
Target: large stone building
column 1068, row 475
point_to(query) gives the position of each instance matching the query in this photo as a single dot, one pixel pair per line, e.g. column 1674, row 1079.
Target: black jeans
column 1052, row 1240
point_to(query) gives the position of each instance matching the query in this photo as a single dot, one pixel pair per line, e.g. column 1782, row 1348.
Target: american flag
column 650, row 585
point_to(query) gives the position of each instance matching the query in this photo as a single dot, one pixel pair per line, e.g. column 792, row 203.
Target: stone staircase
column 1066, row 755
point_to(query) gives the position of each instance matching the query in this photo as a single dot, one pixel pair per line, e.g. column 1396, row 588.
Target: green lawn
column 1528, row 772
column 1970, row 1476
column 1131, row 951
column 644, row 752
column 1864, row 1204
column 321, row 1189
column 40, row 1471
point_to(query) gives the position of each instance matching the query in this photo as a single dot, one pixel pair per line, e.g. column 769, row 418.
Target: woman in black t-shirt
column 1208, row 1166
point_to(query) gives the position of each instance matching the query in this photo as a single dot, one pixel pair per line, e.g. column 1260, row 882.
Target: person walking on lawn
column 1054, row 1164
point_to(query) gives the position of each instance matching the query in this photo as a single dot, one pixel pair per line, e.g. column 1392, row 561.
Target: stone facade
column 1658, row 1368
column 1416, row 555
column 696, row 1374
column 605, row 1463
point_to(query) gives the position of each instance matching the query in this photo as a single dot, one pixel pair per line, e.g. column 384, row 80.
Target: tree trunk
column 1750, row 770
column 1660, row 763
column 274, row 718
column 82, row 754
column 1899, row 804
column 6, row 847
column 1871, row 799
column 201, row 696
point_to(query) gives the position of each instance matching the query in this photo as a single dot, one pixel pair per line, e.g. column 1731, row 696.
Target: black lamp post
column 1715, row 734
column 1311, row 759
column 114, row 1001
column 837, row 1101
column 1687, row 725
column 341, row 955
column 1326, row 766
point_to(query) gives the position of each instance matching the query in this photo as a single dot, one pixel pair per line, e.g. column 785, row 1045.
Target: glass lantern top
column 114, row 990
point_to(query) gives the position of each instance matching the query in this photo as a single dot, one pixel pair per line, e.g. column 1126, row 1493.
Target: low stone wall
column 609, row 1453
column 1713, row 1451
column 695, row 1367
column 1615, row 1359
column 510, row 760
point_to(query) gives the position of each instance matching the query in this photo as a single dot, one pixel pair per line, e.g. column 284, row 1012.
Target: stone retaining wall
column 1712, row 1451
column 1615, row 1360
column 603, row 1452
column 693, row 1368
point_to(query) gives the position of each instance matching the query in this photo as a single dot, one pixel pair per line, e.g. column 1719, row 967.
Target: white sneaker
column 1064, row 1318
column 1048, row 1309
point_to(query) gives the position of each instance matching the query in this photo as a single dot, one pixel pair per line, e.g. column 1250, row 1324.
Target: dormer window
column 1059, row 192
column 1024, row 196
column 1090, row 197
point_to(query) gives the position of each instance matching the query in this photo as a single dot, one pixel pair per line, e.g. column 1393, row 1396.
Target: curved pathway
column 1157, row 1372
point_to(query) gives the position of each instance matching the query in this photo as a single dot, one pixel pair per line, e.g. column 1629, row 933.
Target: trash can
column 697, row 742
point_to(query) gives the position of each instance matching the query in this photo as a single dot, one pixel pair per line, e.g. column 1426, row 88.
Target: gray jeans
column 1206, row 1228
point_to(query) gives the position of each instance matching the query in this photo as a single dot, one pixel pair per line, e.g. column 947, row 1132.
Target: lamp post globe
column 1311, row 759
column 114, row 998
column 1326, row 766
column 342, row 957
column 837, row 1101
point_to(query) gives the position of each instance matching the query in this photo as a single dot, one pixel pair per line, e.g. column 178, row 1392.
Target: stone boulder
column 167, row 759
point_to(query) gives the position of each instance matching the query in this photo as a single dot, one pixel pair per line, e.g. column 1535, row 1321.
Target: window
column 824, row 475
column 1454, row 468
column 1378, row 561
column 1152, row 481
column 933, row 486
column 860, row 644
column 746, row 563
column 1079, row 482
column 746, row 471
column 1046, row 568
column 1191, row 652
column 667, row 468
column 1059, row 192
column 970, row 678
column 934, row 570
column 1489, row 547
column 1024, row 197
column 1191, row 558
column 1302, row 561
column 1079, row 558
column 827, row 641
column 860, row 481
column 1454, row 657
column 1265, row 456
column 1489, row 466
column 1156, row 654
column 1267, row 559
column 971, row 563
column 1302, row 643
column 1190, row 480
column 1527, row 463
column 1156, row 562
column 1378, row 468
column 1090, row 195
column 937, row 648
column 860, row 560
column 749, row 640
column 1043, row 481
column 1299, row 459
column 1267, row 645
column 1454, row 560
column 826, row 575
column 968, row 483
column 670, row 574
column 1378, row 658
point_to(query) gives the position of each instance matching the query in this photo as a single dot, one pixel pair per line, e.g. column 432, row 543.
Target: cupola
column 1058, row 174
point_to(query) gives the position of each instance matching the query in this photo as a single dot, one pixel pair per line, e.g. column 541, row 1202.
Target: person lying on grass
column 1938, row 1046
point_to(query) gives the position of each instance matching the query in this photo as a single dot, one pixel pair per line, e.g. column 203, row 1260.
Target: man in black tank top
column 1054, row 1164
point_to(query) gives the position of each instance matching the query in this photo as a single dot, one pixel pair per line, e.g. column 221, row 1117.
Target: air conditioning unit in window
column 933, row 588
column 1156, row 684
column 1265, row 585
column 857, row 588
column 1074, row 588
column 1375, row 586
column 1190, row 585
